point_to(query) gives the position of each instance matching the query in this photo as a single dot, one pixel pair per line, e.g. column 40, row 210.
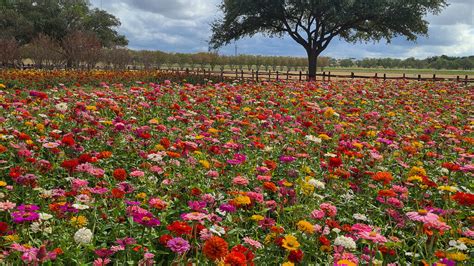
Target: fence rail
column 301, row 76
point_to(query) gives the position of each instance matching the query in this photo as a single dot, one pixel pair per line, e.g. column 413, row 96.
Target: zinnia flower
column 422, row 216
column 178, row 245
column 215, row 248
column 83, row 236
column 290, row 242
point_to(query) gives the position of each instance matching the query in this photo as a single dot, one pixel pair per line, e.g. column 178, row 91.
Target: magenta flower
column 238, row 159
column 287, row 159
column 145, row 219
column 178, row 245
column 24, row 216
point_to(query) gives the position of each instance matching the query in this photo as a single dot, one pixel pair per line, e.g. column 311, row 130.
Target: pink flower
column 239, row 180
column 7, row 205
column 101, row 262
column 331, row 210
column 137, row 173
column 253, row 243
column 422, row 216
column 238, row 159
column 317, row 214
column 373, row 236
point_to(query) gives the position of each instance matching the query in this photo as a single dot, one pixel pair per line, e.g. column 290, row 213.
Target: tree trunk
column 312, row 64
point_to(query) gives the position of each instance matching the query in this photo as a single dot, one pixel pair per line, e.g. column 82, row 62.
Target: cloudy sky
column 183, row 26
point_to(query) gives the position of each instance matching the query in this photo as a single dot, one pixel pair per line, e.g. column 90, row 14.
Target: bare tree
column 81, row 49
column 9, row 52
column 44, row 51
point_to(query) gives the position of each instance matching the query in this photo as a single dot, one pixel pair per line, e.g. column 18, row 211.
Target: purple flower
column 197, row 205
column 266, row 223
column 178, row 245
column 24, row 216
column 28, row 208
column 227, row 208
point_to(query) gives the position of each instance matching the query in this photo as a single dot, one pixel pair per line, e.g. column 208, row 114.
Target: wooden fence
column 301, row 76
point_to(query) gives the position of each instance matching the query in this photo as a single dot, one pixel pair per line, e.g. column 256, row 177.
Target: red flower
column 118, row 193
column 215, row 248
column 270, row 186
column 335, row 162
column 451, row 166
column 68, row 140
column 465, row 199
column 386, row 193
column 165, row 143
column 324, row 241
column 179, row 228
column 247, row 252
column 164, row 239
column 70, row 164
column 236, row 259
column 296, row 256
column 3, row 227
column 120, row 174
column 384, row 177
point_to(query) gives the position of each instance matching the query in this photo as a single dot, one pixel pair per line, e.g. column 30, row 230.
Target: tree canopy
column 25, row 19
column 315, row 23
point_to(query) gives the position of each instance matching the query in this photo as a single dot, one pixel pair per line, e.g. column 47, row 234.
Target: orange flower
column 215, row 248
column 386, row 193
column 270, row 186
column 173, row 154
column 384, row 177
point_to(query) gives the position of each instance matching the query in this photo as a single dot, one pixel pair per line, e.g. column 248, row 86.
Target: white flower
column 316, row 183
column 61, row 107
column 83, row 236
column 155, row 157
column 80, row 206
column 45, row 216
column 359, row 216
column 35, row 227
column 217, row 230
column 336, row 230
column 457, row 245
column 345, row 242
column 313, row 139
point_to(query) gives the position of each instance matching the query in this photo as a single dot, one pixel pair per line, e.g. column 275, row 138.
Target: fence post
column 434, row 77
column 465, row 82
column 352, row 75
column 329, row 76
column 278, row 76
column 324, row 76
column 287, row 75
column 419, row 77
column 252, row 75
column 242, row 75
column 300, row 75
column 384, row 76
column 222, row 75
column 403, row 75
column 187, row 71
column 256, row 75
column 269, row 75
column 376, row 75
column 457, row 79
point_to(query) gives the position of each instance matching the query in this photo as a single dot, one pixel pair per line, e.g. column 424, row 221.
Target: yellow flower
column 307, row 189
column 371, row 133
column 345, row 263
column 305, row 227
column 415, row 170
column 246, row 109
column 198, row 137
column 287, row 184
column 290, row 243
column 213, row 130
column 448, row 188
column 91, row 108
column 2, row 86
column 415, row 178
column 12, row 238
column 391, row 114
column 79, row 221
column 358, row 145
column 3, row 183
column 288, row 263
column 466, row 241
column 205, row 164
column 141, row 196
column 257, row 217
column 269, row 238
column 159, row 147
column 329, row 112
column 457, row 256
column 40, row 127
column 242, row 200
column 324, row 137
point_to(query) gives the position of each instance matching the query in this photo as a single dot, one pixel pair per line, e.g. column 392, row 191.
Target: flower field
column 277, row 173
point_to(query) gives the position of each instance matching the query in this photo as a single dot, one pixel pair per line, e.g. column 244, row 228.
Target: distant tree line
column 436, row 62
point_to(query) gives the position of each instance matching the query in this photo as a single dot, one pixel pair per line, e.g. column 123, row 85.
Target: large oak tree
column 315, row 23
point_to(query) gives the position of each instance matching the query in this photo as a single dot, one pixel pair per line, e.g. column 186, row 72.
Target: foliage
column 314, row 23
